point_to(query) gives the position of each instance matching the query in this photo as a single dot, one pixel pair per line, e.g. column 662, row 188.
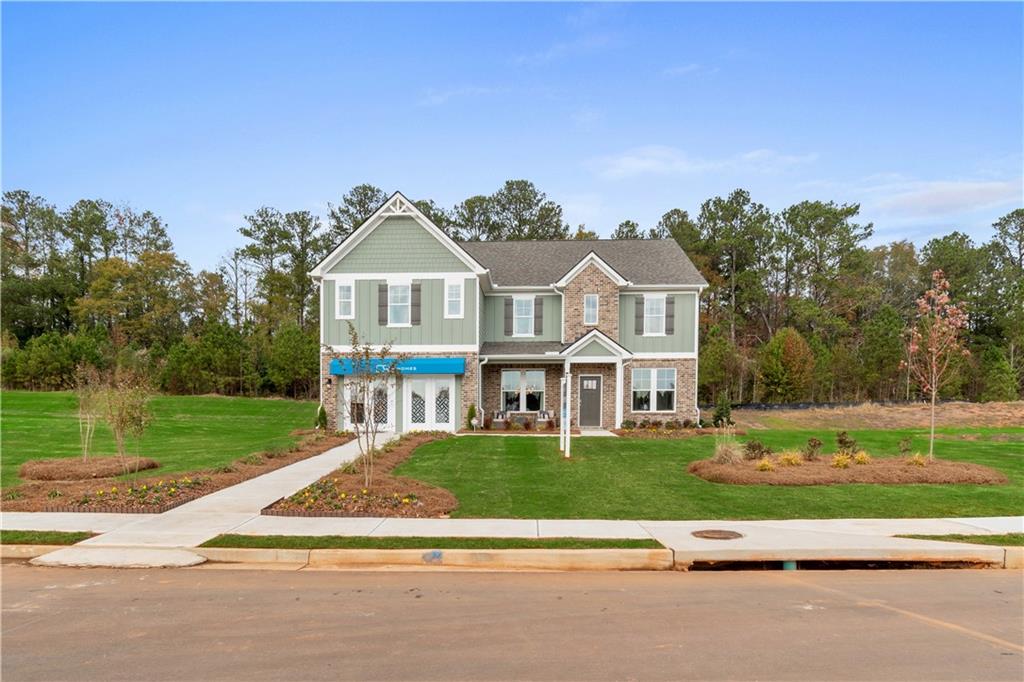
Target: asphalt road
column 207, row 624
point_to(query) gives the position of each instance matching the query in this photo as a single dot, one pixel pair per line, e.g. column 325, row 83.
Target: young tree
column 999, row 382
column 89, row 389
column 934, row 344
column 787, row 366
column 126, row 403
column 366, row 392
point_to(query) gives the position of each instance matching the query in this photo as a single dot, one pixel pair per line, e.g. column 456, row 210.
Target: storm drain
column 715, row 534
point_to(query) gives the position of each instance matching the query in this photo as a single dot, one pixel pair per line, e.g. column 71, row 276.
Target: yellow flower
column 343, row 496
column 113, row 490
column 99, row 492
column 173, row 489
column 145, row 487
column 364, row 491
column 405, row 500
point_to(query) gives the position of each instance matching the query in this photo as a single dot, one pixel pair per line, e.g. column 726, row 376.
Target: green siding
column 433, row 329
column 399, row 245
column 682, row 341
column 494, row 320
column 593, row 350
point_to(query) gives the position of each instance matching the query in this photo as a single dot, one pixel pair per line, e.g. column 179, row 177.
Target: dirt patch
column 875, row 416
column 343, row 492
column 884, row 470
column 74, row 469
column 671, row 434
column 153, row 494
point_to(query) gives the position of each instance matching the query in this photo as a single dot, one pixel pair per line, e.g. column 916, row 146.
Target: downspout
column 480, row 387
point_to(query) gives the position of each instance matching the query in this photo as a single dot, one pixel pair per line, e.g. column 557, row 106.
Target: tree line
column 798, row 307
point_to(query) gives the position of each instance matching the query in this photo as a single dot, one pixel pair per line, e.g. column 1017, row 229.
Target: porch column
column 618, row 393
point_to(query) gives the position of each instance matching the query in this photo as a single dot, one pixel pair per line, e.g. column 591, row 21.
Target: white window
column 654, row 315
column 522, row 316
column 345, row 300
column 399, row 302
column 654, row 390
column 453, row 294
column 522, row 391
column 590, row 309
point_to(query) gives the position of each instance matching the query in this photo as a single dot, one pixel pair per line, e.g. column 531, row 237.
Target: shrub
column 723, row 411
column 528, row 425
column 727, row 451
column 688, row 424
column 255, row 459
column 812, row 451
column 508, row 422
column 654, row 425
column 862, row 458
column 905, row 445
column 766, row 464
column 755, row 449
column 470, row 416
column 628, row 424
column 551, row 425
column 513, row 426
column 790, row 459
column 672, row 425
column 847, row 445
column 918, row 460
column 321, row 418
column 488, row 423
column 645, row 423
column 841, row 461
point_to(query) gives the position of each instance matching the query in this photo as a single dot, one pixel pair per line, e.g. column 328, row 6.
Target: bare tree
column 366, row 395
column 126, row 403
column 934, row 342
column 89, row 388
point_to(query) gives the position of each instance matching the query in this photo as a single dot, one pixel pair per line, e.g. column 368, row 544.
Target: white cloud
column 434, row 98
column 687, row 70
column 665, row 160
column 944, row 197
column 580, row 45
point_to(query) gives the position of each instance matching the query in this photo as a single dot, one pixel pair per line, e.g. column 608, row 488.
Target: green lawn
column 623, row 478
column 362, row 542
column 1004, row 540
column 42, row 537
column 188, row 433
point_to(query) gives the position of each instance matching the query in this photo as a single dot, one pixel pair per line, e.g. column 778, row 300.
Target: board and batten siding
column 594, row 350
column 682, row 340
column 493, row 326
column 433, row 329
column 399, row 244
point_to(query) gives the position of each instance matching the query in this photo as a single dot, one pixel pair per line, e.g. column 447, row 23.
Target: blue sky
column 203, row 112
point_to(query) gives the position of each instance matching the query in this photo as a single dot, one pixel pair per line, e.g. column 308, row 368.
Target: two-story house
column 499, row 324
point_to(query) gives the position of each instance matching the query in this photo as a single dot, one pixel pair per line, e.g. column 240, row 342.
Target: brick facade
column 591, row 280
column 492, row 384
column 330, row 392
column 686, row 389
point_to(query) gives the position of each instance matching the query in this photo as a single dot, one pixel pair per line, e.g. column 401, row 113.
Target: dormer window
column 590, row 309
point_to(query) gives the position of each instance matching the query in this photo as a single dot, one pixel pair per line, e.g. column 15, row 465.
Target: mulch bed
column 343, row 493
column 514, row 432
column 885, row 470
column 156, row 494
column 670, row 434
column 75, row 469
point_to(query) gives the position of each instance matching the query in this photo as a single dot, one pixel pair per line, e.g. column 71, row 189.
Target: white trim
column 666, row 288
column 696, row 328
column 415, row 348
column 506, row 290
column 338, row 284
column 522, row 389
column 461, row 283
column 673, row 355
column 533, row 312
column 618, row 394
column 593, row 359
column 394, row 276
column 432, row 382
column 561, row 334
column 592, row 259
column 579, row 400
column 597, row 310
column 664, row 313
column 323, row 322
column 552, row 357
column 603, row 339
column 396, row 205
column 479, row 311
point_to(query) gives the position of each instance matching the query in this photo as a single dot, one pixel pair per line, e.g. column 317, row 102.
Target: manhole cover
column 716, row 534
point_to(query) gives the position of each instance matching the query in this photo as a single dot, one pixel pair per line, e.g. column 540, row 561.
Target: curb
column 993, row 556
column 27, row 551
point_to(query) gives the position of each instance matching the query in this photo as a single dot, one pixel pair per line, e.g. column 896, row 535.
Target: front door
column 590, row 400
column 430, row 403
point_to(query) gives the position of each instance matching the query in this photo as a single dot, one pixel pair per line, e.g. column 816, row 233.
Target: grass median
column 42, row 537
column 1003, row 540
column 363, row 542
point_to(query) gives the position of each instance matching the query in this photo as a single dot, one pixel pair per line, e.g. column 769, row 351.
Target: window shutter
column 670, row 315
column 639, row 307
column 508, row 316
column 382, row 305
column 538, row 316
column 414, row 304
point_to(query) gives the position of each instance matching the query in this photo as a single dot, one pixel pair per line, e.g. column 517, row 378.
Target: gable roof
column 541, row 263
column 599, row 337
column 396, row 205
column 592, row 258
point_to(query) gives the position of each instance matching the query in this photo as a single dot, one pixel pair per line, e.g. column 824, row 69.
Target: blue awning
column 343, row 366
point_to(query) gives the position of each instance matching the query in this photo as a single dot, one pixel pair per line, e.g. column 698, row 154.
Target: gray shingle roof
column 539, row 263
column 519, row 347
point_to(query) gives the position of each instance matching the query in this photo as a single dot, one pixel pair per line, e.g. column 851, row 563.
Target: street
column 217, row 623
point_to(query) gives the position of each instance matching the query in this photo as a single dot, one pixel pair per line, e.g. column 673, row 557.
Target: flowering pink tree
column 933, row 342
